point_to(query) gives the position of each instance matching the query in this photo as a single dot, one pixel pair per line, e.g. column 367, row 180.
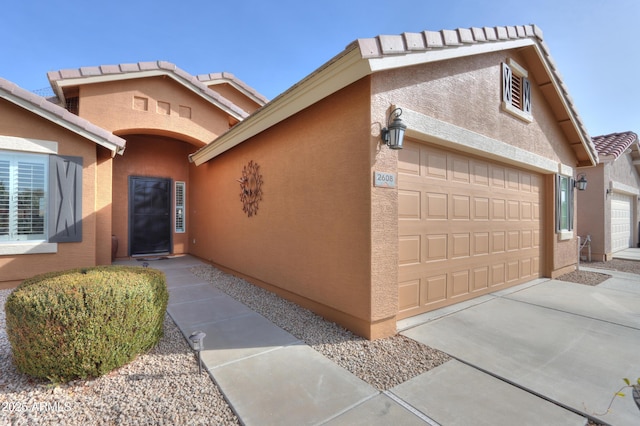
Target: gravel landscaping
column 163, row 386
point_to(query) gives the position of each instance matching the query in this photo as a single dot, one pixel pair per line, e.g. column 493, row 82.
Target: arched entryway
column 150, row 187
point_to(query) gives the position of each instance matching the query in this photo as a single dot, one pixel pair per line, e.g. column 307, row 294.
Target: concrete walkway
column 571, row 344
column 269, row 377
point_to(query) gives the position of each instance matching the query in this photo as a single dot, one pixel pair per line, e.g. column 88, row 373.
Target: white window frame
column 511, row 70
column 180, row 219
column 24, row 146
column 19, row 173
column 564, row 206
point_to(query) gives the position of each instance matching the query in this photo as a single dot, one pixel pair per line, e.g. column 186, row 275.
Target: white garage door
column 467, row 227
column 620, row 221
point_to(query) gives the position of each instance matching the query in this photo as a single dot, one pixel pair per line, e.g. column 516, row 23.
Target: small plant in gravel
column 85, row 322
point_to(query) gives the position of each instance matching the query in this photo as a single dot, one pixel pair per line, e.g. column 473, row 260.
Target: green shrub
column 83, row 323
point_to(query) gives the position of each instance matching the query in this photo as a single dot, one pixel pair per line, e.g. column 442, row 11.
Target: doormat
column 148, row 259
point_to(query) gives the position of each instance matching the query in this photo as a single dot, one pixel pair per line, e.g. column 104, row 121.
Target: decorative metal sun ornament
column 251, row 186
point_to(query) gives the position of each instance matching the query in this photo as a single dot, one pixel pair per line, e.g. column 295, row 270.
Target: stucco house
column 301, row 195
column 608, row 211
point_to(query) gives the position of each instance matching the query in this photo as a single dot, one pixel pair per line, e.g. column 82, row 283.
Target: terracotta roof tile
column 491, row 33
column 450, row 37
column 614, row 144
column 392, row 44
column 466, row 35
column 433, row 38
column 55, row 113
column 502, row 33
column 415, row 41
column 478, row 34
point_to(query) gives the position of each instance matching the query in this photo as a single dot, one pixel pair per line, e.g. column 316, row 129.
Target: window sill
column 565, row 235
column 27, row 248
column 524, row 116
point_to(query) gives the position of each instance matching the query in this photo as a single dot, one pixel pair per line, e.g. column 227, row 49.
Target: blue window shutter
column 506, row 83
column 65, row 199
column 526, row 95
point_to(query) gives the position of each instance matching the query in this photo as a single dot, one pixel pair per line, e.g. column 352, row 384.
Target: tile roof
column 219, row 77
column 85, row 75
column 614, row 144
column 44, row 108
column 383, row 45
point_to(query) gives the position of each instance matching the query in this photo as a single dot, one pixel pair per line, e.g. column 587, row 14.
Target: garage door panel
column 409, row 204
column 436, row 247
column 437, row 206
column 479, row 228
column 459, row 284
column 480, row 279
column 409, row 248
column 481, row 208
column 480, row 243
column 480, row 175
column 621, row 213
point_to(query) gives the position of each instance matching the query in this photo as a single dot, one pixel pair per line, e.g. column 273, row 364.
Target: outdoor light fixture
column 197, row 344
column 581, row 183
column 393, row 134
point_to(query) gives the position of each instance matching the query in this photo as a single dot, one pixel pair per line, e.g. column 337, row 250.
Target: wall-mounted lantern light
column 197, row 343
column 581, row 183
column 393, row 134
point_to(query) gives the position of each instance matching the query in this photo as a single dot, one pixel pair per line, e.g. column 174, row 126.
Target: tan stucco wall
column 466, row 93
column 593, row 216
column 104, row 171
column 118, row 106
column 594, row 204
column 21, row 123
column 151, row 156
column 311, row 236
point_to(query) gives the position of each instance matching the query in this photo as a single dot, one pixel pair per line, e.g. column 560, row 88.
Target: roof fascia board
column 336, row 75
column 443, row 54
column 115, row 149
column 584, row 137
column 105, row 78
column 236, row 86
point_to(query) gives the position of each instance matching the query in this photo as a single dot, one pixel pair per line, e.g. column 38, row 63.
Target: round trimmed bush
column 83, row 323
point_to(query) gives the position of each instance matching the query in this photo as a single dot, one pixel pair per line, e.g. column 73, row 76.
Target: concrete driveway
column 566, row 343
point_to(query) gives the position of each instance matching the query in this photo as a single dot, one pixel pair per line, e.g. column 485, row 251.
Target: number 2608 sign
column 385, row 180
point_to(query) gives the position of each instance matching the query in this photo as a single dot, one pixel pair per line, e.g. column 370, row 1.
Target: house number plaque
column 384, row 180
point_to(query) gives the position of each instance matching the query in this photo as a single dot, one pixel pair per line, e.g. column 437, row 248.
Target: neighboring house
column 608, row 209
column 300, row 195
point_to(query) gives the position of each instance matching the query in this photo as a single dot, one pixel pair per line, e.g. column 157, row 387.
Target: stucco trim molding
column 423, row 127
column 623, row 188
column 28, row 145
column 28, row 248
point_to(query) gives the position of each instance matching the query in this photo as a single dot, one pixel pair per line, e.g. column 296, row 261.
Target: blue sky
column 271, row 45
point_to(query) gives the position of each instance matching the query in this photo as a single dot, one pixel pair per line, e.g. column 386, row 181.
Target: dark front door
column 149, row 216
